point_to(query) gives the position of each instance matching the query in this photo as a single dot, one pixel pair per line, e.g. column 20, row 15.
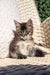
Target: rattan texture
column 45, row 33
column 28, row 10
column 41, row 33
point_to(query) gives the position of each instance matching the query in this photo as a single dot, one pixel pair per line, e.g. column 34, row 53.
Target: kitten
column 22, row 41
column 22, row 44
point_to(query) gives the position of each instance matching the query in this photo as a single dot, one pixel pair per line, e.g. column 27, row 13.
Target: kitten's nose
column 23, row 35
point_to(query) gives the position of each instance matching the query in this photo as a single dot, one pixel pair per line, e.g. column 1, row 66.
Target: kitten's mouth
column 23, row 39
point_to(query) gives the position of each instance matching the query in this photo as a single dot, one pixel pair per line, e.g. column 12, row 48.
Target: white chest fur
column 25, row 47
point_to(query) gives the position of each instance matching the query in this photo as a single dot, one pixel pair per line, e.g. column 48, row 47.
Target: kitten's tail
column 44, row 49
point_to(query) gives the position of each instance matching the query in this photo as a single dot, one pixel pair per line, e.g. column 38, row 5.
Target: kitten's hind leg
column 39, row 53
column 36, row 53
column 32, row 52
column 43, row 49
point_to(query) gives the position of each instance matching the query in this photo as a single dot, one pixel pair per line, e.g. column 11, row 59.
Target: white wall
column 8, row 12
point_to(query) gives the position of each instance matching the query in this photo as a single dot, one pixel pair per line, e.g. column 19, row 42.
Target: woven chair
column 41, row 35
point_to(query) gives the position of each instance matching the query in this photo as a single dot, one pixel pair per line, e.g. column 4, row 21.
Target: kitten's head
column 24, row 30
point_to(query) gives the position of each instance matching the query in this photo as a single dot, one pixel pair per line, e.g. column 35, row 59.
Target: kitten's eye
column 27, row 32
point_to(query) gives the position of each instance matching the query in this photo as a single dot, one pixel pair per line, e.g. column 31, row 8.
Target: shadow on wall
column 25, row 70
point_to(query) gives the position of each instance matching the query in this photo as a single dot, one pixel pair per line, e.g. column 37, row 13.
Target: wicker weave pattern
column 45, row 33
column 41, row 33
column 28, row 10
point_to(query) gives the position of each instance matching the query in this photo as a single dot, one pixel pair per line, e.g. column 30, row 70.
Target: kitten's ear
column 17, row 24
column 29, row 24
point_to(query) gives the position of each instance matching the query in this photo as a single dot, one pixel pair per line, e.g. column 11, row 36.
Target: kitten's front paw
column 22, row 57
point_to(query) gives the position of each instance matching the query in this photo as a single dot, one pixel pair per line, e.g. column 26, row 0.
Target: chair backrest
column 45, row 33
column 27, row 9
